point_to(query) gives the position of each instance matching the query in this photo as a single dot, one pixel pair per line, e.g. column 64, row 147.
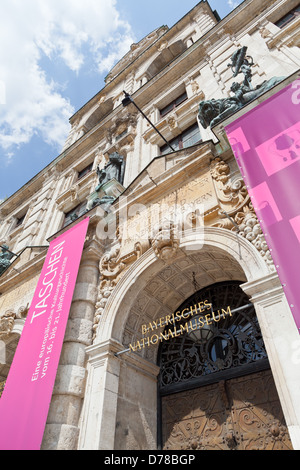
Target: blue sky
column 54, row 56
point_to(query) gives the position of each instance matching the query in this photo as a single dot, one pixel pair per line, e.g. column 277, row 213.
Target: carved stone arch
column 166, row 56
column 152, row 288
column 123, row 314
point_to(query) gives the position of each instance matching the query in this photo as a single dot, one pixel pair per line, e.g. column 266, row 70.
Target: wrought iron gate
column 216, row 390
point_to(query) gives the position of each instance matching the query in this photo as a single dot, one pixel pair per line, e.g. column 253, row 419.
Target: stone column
column 282, row 343
column 100, row 407
column 120, row 410
column 62, row 428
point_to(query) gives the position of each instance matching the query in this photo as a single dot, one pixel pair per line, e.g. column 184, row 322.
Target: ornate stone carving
column 232, row 195
column 7, row 323
column 195, row 87
column 113, row 265
column 7, row 320
column 2, row 385
column 74, row 192
column 250, row 229
column 165, row 241
column 236, row 210
column 172, row 121
column 22, row 312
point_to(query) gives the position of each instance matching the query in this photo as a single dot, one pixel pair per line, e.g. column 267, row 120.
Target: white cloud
column 233, row 3
column 66, row 30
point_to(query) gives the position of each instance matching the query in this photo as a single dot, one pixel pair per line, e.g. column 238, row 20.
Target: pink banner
column 25, row 402
column 266, row 144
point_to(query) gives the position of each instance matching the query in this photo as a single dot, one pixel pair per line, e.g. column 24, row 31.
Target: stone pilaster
column 282, row 343
column 62, row 428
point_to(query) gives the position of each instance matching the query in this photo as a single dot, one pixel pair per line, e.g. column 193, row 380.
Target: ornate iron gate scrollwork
column 215, row 387
column 227, row 345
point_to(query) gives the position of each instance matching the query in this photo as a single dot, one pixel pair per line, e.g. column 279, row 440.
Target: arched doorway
column 216, row 389
column 128, row 413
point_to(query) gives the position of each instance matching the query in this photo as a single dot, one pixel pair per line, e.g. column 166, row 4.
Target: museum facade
column 179, row 335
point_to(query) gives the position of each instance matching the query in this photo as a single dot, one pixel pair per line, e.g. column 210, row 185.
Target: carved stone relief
column 113, row 266
column 7, row 323
column 232, row 195
column 236, row 212
column 7, row 320
column 121, row 124
column 165, row 241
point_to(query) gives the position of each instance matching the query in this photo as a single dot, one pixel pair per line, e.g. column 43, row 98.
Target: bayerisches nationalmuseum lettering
column 196, row 318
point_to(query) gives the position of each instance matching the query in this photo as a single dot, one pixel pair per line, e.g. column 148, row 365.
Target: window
column 288, row 17
column 86, row 170
column 189, row 137
column 75, row 213
column 20, row 220
column 122, row 134
column 167, row 109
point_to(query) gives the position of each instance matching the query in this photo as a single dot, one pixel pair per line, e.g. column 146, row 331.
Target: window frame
column 288, row 17
column 78, row 210
column 173, row 104
column 180, row 138
column 81, row 173
column 20, row 221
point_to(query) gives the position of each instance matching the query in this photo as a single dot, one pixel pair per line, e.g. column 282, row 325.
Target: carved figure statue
column 241, row 63
column 213, row 111
column 113, row 169
column 5, row 257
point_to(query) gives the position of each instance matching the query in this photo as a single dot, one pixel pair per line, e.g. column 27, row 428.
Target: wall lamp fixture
column 128, row 100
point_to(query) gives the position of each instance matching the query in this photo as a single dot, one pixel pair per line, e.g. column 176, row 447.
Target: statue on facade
column 241, row 63
column 5, row 258
column 213, row 111
column 110, row 181
column 114, row 169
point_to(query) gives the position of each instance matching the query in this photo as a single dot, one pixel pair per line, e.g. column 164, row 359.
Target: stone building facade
column 171, row 226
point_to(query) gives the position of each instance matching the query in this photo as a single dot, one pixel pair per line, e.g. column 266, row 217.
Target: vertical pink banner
column 25, row 402
column 266, row 145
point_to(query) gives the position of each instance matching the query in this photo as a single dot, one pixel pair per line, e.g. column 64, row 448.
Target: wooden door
column 238, row 414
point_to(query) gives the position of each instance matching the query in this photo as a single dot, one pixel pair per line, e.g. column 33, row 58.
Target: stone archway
column 120, row 409
column 215, row 244
column 167, row 285
column 172, row 284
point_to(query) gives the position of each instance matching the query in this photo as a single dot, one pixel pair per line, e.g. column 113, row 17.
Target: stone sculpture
column 213, row 111
column 113, row 170
column 5, row 259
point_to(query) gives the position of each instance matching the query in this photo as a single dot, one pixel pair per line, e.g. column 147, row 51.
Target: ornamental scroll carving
column 113, row 266
column 243, row 413
column 234, row 200
column 249, row 228
column 7, row 321
column 232, row 194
